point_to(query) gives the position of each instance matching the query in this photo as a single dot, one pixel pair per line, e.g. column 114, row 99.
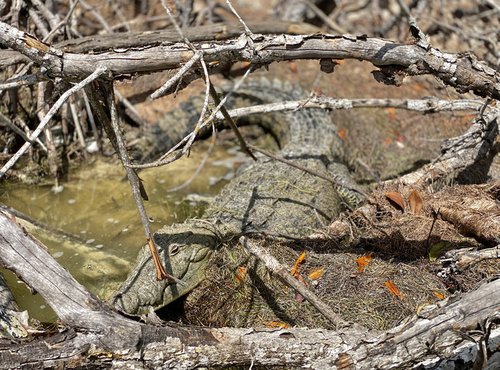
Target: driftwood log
column 458, row 331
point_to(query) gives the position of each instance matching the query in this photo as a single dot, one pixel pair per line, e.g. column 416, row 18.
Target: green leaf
column 438, row 249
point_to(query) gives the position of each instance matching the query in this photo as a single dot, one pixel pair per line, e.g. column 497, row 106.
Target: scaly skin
column 266, row 197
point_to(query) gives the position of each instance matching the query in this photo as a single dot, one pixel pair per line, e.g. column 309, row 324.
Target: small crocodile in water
column 267, row 197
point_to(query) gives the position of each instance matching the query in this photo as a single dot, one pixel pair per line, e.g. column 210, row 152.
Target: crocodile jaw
column 193, row 275
column 185, row 251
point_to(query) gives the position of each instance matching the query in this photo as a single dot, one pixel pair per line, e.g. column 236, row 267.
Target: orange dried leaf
column 396, row 199
column 342, row 133
column 364, row 261
column 240, row 274
column 416, row 202
column 393, row 289
column 439, row 295
column 275, row 324
column 296, row 267
column 317, row 273
column 293, row 67
column 391, row 112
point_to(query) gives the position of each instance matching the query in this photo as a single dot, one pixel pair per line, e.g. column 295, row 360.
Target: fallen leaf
column 364, row 261
column 415, row 201
column 391, row 112
column 316, row 273
column 393, row 289
column 439, row 295
column 293, row 67
column 296, row 267
column 342, row 133
column 437, row 249
column 396, row 199
column 240, row 274
column 276, row 324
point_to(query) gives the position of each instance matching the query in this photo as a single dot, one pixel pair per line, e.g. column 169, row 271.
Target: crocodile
column 267, row 197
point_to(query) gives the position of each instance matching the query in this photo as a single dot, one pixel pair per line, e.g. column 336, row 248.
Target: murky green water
column 95, row 205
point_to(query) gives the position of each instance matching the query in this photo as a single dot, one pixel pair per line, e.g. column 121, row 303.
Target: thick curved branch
column 461, row 71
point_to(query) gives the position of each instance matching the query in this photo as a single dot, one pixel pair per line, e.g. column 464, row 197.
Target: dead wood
column 273, row 265
column 396, row 60
column 464, row 215
column 459, row 155
column 101, row 338
column 475, row 214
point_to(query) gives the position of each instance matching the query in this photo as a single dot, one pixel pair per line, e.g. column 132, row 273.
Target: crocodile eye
column 174, row 249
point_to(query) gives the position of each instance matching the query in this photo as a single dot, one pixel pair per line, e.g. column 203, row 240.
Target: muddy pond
column 94, row 207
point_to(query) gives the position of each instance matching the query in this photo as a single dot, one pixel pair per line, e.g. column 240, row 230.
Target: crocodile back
column 303, row 133
column 270, row 196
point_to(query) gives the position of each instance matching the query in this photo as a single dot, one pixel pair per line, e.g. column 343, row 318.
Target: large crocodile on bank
column 267, row 197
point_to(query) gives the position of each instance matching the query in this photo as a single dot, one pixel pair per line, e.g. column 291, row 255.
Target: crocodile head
column 185, row 250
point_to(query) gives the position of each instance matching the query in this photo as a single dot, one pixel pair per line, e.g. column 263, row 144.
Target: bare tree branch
column 98, row 72
column 461, row 71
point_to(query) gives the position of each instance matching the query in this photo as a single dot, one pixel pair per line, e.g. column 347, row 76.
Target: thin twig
column 98, row 72
column 420, row 36
column 432, row 105
column 5, row 121
column 330, row 179
column 18, row 82
column 205, row 71
column 130, row 109
column 326, row 20
column 97, row 15
column 201, row 165
column 76, row 121
column 51, row 18
column 212, row 116
column 49, row 140
column 276, row 268
column 247, row 30
column 134, row 181
column 204, row 109
column 167, row 85
column 166, row 158
column 428, row 240
column 65, row 21
column 229, row 120
column 420, row 105
column 35, row 18
column 93, row 125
